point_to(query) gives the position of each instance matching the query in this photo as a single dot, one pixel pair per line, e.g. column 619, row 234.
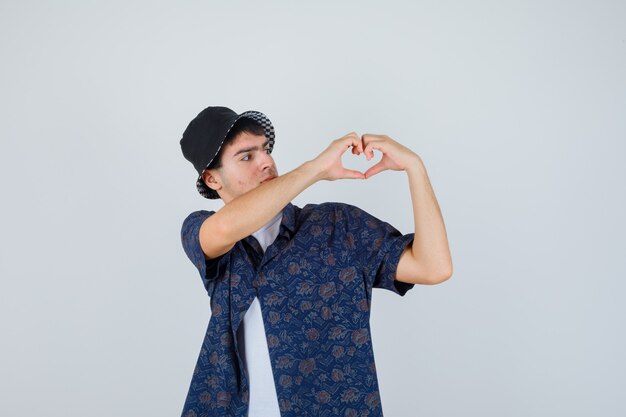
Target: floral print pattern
column 314, row 284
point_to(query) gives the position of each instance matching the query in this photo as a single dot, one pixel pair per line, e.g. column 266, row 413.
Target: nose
column 266, row 161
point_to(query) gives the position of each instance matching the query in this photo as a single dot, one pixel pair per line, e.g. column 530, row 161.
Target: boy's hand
column 395, row 156
column 328, row 163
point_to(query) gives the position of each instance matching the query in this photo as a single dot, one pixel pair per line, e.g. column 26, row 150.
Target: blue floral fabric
column 314, row 285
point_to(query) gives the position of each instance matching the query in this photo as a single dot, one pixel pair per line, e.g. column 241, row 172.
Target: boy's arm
column 428, row 259
column 247, row 213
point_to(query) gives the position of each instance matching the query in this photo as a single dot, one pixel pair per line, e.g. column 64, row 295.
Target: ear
column 210, row 179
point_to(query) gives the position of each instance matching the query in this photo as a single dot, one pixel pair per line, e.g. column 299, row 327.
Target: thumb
column 350, row 173
column 375, row 169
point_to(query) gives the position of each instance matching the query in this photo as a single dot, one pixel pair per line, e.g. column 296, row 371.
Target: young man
column 290, row 288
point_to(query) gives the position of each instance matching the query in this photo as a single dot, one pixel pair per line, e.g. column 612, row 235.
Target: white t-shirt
column 251, row 335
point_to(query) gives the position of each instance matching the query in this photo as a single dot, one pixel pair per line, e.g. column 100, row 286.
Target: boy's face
column 245, row 163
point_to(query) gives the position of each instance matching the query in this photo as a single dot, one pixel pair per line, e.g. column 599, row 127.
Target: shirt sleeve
column 210, row 269
column 380, row 246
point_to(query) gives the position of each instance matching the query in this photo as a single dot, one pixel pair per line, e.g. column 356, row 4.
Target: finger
column 379, row 167
column 356, row 145
column 350, row 135
column 369, row 149
column 370, row 136
column 355, row 148
column 350, row 173
column 352, row 139
column 359, row 144
column 370, row 140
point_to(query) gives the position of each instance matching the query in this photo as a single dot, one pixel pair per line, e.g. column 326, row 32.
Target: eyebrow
column 251, row 148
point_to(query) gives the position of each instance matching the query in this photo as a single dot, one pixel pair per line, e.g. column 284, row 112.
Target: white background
column 517, row 109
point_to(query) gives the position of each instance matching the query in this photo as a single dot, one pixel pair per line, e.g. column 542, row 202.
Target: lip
column 271, row 177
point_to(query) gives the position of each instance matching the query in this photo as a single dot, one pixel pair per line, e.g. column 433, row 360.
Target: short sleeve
column 209, row 269
column 380, row 246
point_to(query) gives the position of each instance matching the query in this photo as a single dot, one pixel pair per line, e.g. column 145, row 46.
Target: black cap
column 205, row 135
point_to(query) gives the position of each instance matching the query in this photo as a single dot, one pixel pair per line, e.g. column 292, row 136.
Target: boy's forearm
column 247, row 213
column 430, row 246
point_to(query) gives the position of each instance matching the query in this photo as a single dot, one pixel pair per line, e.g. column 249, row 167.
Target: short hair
column 242, row 125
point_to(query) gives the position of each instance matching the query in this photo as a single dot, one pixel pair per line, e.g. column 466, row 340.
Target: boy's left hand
column 396, row 157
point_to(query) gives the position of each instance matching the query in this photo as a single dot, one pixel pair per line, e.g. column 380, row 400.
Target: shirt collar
column 287, row 228
column 289, row 218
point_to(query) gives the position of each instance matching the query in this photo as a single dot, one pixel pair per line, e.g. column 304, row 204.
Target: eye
column 244, row 158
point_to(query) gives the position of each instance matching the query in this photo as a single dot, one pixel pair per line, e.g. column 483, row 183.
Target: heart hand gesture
column 396, row 157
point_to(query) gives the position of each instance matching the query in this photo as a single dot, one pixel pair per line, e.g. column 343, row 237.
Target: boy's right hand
column 328, row 163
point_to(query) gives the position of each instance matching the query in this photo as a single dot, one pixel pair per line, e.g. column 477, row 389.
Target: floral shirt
column 314, row 284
